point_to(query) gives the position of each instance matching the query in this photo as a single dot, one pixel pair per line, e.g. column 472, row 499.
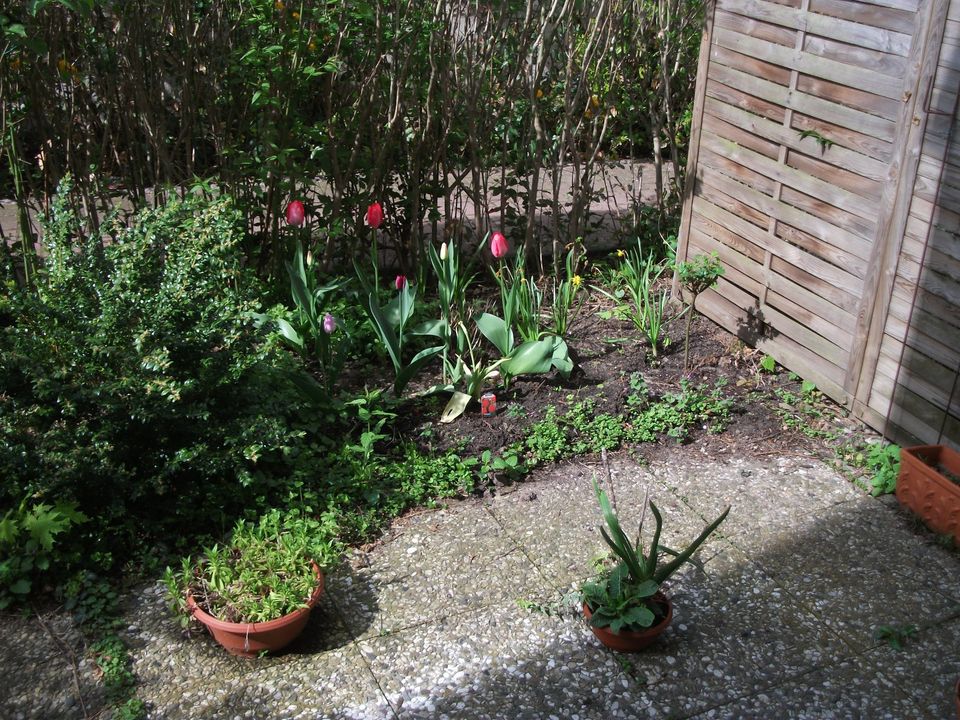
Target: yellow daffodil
column 279, row 5
column 576, row 281
column 621, row 253
column 312, row 46
column 539, row 93
column 295, row 15
column 595, row 101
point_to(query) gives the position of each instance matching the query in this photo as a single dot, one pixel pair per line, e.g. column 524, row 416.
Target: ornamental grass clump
column 265, row 570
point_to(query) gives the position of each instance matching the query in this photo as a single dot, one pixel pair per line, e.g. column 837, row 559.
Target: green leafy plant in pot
column 625, row 607
column 254, row 593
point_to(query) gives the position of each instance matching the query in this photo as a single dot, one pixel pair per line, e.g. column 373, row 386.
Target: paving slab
column 460, row 613
column 501, row 662
column 434, row 565
column 336, row 684
column 851, row 689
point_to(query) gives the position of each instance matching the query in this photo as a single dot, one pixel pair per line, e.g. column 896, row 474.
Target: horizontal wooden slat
column 829, row 242
column 808, row 105
column 786, row 351
column 828, row 20
column 852, row 205
column 775, row 132
column 809, row 64
column 887, row 63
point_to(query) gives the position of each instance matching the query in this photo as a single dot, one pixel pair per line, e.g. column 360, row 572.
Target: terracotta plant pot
column 629, row 641
column 251, row 639
column 927, row 491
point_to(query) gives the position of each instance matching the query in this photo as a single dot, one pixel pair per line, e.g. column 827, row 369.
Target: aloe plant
column 621, row 598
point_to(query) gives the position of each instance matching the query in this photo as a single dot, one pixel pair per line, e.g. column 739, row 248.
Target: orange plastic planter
column 628, row 641
column 927, row 491
column 251, row 639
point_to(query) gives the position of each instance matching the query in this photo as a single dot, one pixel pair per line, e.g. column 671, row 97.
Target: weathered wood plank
column 749, row 273
column 825, row 110
column 851, row 97
column 717, row 161
column 809, row 64
column 835, row 244
column 788, row 353
column 775, row 132
column 744, row 101
column 829, row 194
column 896, row 199
column 891, row 19
column 837, row 295
column 755, row 28
column 887, row 63
column 835, row 173
column 872, row 147
column 753, row 68
column 757, row 143
column 840, row 219
column 826, row 21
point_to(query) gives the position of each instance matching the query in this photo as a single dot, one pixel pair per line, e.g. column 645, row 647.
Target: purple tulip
column 329, row 324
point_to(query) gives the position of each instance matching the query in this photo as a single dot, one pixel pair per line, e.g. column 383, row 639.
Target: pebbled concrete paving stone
column 501, row 662
column 849, row 689
column 779, row 620
column 435, row 564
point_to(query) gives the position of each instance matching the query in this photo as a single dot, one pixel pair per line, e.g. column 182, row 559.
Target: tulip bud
column 498, row 245
column 309, row 258
column 295, row 213
column 329, row 323
column 401, row 282
column 443, row 251
column 374, row 217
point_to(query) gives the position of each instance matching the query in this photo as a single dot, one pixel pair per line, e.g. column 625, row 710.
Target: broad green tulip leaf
column 289, row 333
column 433, row 328
column 455, row 407
column 496, row 331
column 419, row 360
column 530, row 358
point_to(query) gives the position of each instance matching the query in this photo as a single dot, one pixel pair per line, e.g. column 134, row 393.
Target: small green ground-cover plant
column 263, row 572
column 876, row 464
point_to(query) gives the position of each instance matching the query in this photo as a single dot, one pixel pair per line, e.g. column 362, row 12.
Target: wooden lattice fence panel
column 809, row 120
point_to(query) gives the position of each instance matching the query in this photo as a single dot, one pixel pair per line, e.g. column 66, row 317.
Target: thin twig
column 73, row 661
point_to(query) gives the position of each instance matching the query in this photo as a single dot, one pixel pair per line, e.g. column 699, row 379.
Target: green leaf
column 531, row 357
column 21, row 587
column 496, row 331
column 289, row 333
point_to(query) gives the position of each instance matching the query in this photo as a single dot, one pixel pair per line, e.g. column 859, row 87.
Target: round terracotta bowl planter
column 629, row 641
column 251, row 639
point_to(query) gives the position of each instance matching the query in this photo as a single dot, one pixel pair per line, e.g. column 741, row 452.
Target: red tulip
column 498, row 245
column 374, row 216
column 295, row 213
column 400, row 282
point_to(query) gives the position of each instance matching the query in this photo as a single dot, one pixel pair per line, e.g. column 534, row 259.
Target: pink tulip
column 400, row 282
column 295, row 213
column 498, row 245
column 374, row 216
column 329, row 324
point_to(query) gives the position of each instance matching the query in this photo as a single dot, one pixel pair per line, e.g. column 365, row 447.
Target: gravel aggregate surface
column 465, row 612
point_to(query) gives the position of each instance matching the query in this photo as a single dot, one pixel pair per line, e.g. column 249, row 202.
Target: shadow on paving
column 458, row 612
column 781, row 622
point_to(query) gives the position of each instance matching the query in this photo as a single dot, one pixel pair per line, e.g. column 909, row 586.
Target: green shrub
column 135, row 383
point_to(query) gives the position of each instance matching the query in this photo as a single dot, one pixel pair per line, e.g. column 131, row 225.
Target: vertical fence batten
column 824, row 173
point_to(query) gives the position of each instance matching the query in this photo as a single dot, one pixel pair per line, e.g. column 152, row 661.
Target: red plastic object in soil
column 251, row 639
column 922, row 487
column 630, row 641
